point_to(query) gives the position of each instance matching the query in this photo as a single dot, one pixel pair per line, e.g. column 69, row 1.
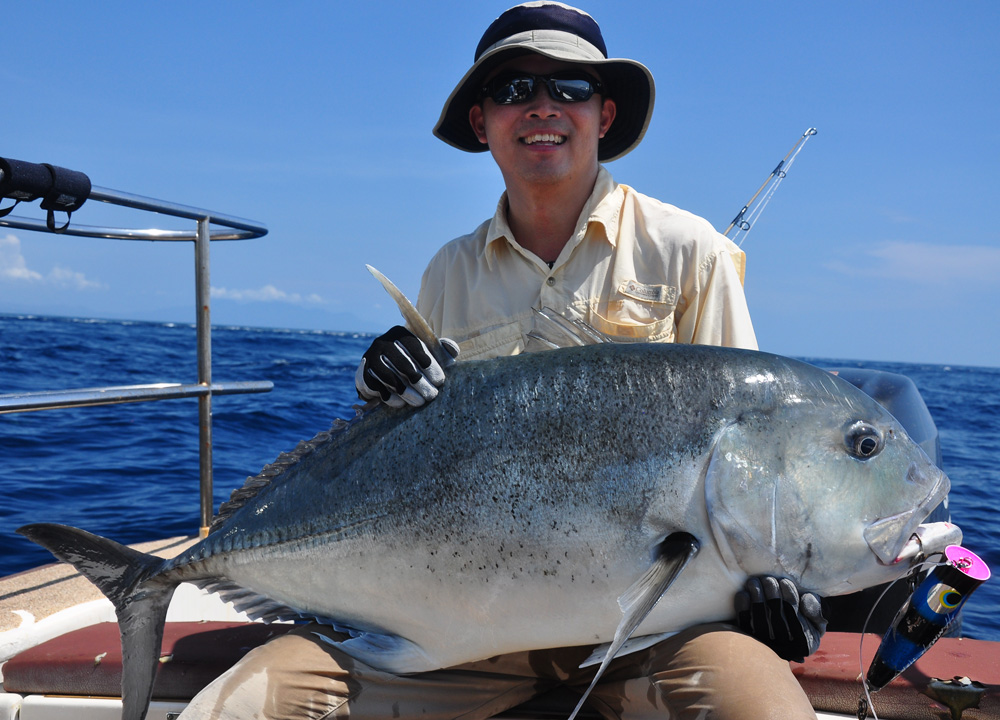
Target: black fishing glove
column 400, row 370
column 771, row 610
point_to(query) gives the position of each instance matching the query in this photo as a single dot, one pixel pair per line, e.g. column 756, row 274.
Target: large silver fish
column 547, row 500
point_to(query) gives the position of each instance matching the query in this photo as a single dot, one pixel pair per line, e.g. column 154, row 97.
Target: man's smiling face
column 543, row 140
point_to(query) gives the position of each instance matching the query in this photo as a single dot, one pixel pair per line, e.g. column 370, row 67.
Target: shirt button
column 550, row 282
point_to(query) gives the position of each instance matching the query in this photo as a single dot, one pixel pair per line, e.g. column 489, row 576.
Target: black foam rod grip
column 70, row 189
column 23, row 180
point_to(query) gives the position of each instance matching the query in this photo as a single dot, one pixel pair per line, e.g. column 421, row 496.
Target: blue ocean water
column 130, row 472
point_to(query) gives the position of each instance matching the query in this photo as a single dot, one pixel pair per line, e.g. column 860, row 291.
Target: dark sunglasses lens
column 572, row 89
column 520, row 88
column 513, row 90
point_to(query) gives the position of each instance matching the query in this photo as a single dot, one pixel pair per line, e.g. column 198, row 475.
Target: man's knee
column 719, row 669
column 292, row 676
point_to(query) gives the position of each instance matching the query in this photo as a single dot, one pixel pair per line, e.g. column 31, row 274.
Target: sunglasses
column 568, row 87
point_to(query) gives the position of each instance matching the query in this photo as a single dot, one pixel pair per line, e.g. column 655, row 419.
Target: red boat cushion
column 89, row 661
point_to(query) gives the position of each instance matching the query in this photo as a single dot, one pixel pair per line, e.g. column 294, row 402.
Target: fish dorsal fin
column 551, row 330
column 672, row 556
column 254, row 485
column 414, row 320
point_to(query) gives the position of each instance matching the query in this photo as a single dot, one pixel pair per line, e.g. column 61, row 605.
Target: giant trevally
column 547, row 500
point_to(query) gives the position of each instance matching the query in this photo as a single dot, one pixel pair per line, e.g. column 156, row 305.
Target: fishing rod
column 746, row 217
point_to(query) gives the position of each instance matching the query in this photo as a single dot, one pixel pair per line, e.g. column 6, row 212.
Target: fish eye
column 864, row 440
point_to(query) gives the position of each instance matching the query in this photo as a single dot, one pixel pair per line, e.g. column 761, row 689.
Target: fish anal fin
column 384, row 651
column 633, row 644
column 672, row 556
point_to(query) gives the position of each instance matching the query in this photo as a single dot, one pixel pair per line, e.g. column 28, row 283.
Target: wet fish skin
column 515, row 510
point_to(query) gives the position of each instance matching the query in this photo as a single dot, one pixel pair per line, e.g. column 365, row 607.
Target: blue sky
column 315, row 118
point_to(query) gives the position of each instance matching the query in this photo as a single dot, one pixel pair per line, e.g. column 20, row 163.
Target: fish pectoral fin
column 384, row 651
column 672, row 556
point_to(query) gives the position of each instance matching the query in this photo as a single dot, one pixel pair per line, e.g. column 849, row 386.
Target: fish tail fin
column 122, row 574
column 414, row 320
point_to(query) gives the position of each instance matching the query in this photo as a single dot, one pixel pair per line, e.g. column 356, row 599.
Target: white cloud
column 925, row 262
column 268, row 293
column 14, row 267
column 71, row 279
column 12, row 264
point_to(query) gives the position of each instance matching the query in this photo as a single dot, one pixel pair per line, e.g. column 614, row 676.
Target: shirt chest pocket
column 637, row 313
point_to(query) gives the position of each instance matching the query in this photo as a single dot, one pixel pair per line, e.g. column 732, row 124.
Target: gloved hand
column 771, row 610
column 400, row 370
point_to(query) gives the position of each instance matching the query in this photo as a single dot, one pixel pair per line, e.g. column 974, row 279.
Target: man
column 546, row 102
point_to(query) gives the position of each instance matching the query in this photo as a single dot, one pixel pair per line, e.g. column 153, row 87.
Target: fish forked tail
column 122, row 574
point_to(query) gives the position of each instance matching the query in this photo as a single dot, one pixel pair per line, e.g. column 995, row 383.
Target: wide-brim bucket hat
column 559, row 32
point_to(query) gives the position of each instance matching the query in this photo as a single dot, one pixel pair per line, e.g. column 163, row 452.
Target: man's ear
column 478, row 122
column 608, row 112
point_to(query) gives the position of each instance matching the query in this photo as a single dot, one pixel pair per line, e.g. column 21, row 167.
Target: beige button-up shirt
column 636, row 269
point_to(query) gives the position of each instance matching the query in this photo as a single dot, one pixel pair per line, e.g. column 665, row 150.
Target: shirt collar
column 603, row 207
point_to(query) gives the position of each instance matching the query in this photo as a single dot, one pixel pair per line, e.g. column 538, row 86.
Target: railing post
column 202, row 282
column 233, row 228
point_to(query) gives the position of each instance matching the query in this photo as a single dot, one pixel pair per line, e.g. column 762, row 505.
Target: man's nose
column 542, row 104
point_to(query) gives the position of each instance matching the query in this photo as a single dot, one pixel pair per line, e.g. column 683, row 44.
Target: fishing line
column 865, row 704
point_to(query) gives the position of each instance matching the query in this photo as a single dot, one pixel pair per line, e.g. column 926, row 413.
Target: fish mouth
column 886, row 537
column 929, row 538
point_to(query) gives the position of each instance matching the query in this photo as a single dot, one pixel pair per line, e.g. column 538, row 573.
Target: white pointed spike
column 414, row 320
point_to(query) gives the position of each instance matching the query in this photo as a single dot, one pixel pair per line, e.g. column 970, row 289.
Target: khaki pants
column 712, row 671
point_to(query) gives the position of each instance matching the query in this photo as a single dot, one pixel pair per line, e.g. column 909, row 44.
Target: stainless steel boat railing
column 232, row 228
